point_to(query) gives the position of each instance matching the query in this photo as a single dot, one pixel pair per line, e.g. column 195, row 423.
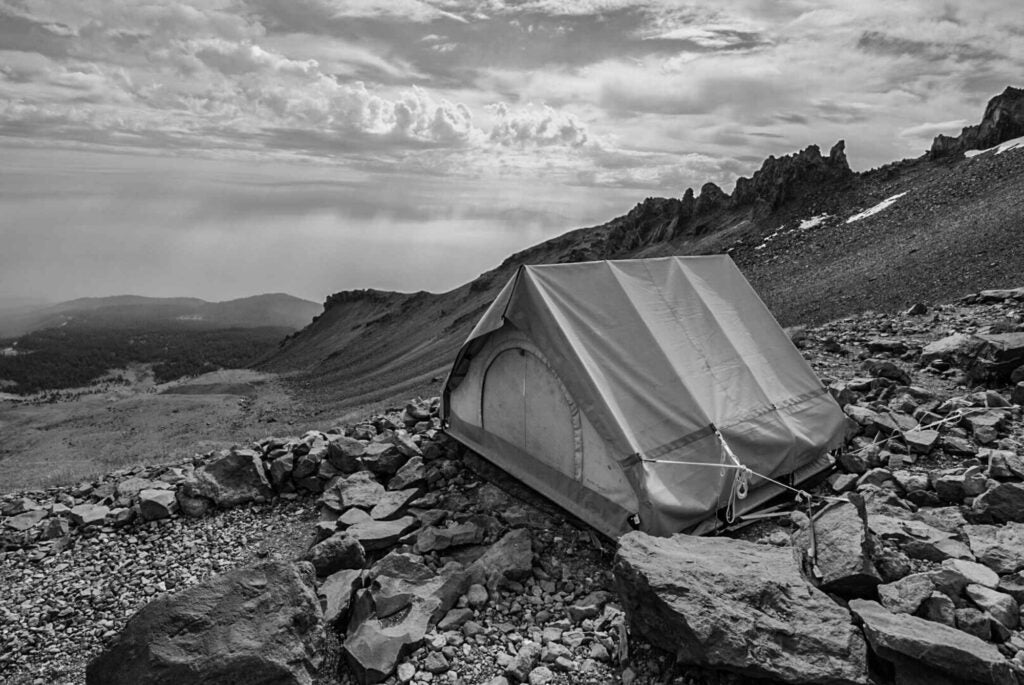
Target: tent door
column 524, row 403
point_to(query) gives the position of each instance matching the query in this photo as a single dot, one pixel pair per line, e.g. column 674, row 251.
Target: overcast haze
column 220, row 149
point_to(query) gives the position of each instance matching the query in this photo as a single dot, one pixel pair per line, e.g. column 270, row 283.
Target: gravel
column 55, row 611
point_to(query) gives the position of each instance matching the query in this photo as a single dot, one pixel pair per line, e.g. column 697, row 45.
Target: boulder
column 339, row 551
column 925, row 651
column 192, row 505
column 233, row 478
column 905, row 595
column 343, row 453
column 411, row 475
column 1000, row 503
column 971, row 572
column 257, row 624
column 920, row 441
column 1000, row 606
column 1003, row 463
column 336, row 593
column 510, row 558
column 281, row 471
column 157, row 504
column 435, row 539
column 958, row 349
column 360, row 489
column 939, row 608
column 843, row 547
column 393, row 615
column 738, row 606
column 129, row 488
column 375, row 535
column 1001, row 548
column 383, row 458
column 89, row 514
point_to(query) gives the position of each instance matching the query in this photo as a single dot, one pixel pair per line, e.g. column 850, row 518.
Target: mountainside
column 815, row 239
column 131, row 311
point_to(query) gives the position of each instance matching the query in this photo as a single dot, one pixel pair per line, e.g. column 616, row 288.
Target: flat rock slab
column 393, row 503
column 374, row 535
column 256, row 624
column 25, row 520
column 737, row 606
column 434, row 539
column 918, row 539
column 901, row 638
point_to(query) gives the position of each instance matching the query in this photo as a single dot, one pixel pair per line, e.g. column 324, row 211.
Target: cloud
column 242, row 58
column 533, row 125
column 931, row 129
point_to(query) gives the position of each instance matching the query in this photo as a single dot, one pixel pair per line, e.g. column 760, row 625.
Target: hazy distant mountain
column 133, row 311
column 816, row 240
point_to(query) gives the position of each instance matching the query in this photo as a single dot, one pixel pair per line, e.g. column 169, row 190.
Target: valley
column 89, row 431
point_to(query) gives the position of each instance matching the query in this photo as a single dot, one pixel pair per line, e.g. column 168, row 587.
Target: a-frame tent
column 630, row 389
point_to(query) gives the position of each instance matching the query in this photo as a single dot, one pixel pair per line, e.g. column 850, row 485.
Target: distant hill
column 276, row 310
column 816, row 240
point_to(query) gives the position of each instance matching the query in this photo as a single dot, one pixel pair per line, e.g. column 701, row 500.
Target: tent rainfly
column 633, row 392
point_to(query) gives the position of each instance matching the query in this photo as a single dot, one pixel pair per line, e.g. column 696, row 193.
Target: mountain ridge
column 123, row 311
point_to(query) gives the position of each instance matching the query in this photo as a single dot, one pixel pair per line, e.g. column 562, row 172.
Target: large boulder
column 259, row 624
column 738, row 606
column 924, row 651
column 843, row 550
column 231, row 479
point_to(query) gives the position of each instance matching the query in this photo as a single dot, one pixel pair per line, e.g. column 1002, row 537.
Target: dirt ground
column 90, row 431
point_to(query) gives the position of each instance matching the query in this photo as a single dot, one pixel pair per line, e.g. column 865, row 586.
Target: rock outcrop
column 1003, row 120
column 260, row 624
column 786, row 178
column 737, row 606
column 921, row 651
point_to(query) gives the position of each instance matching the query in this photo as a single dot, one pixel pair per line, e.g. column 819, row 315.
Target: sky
column 223, row 148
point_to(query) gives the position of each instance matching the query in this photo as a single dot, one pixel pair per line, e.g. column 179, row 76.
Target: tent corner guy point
column 642, row 393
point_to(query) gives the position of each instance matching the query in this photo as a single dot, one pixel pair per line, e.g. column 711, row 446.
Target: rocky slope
column 433, row 568
column 816, row 240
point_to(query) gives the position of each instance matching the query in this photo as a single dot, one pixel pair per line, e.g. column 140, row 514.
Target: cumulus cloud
column 532, row 125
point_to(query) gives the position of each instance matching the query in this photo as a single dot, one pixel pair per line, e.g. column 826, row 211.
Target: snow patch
column 871, row 211
column 1004, row 146
column 814, row 221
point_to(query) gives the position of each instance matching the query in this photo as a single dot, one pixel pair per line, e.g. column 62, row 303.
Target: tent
column 632, row 392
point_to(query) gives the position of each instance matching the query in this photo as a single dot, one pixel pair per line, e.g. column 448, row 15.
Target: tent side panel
column 589, row 505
